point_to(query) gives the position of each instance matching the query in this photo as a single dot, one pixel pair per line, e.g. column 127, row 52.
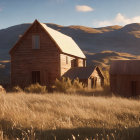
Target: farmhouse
column 125, row 77
column 43, row 54
column 91, row 77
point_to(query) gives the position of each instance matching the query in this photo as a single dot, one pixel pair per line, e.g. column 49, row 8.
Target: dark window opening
column 94, row 82
column 84, row 63
column 75, row 62
column 36, row 42
column 35, row 77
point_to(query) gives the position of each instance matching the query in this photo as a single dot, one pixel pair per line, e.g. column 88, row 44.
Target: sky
column 92, row 13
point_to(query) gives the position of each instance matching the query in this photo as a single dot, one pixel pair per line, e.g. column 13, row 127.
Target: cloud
column 0, row 9
column 118, row 20
column 83, row 8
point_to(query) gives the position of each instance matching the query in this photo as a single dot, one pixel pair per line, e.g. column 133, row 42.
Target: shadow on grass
column 69, row 134
column 91, row 133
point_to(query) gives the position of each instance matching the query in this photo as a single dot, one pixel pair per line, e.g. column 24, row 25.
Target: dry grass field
column 63, row 117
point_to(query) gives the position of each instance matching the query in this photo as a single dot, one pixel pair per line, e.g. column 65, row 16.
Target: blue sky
column 93, row 13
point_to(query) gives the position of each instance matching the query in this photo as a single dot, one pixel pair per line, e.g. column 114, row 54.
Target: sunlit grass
column 52, row 112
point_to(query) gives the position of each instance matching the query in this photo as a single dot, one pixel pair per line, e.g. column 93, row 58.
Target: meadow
column 60, row 116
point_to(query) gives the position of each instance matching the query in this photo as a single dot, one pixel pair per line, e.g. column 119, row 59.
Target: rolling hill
column 99, row 44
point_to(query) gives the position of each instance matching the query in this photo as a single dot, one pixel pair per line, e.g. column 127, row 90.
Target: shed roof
column 80, row 72
column 65, row 43
column 125, row 67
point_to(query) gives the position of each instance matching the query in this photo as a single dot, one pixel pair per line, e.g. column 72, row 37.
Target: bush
column 67, row 85
column 35, row 88
column 2, row 90
column 77, row 84
column 17, row 89
column 106, row 80
column 63, row 84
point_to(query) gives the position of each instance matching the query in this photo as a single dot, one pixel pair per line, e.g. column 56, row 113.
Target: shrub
column 67, row 85
column 35, row 88
column 106, row 75
column 63, row 84
column 77, row 84
column 2, row 90
column 17, row 89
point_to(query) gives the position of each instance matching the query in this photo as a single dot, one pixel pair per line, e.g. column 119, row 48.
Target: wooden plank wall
column 64, row 66
column 24, row 59
column 121, row 84
column 99, row 79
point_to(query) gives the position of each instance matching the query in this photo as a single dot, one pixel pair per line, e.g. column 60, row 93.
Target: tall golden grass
column 67, row 85
column 61, row 116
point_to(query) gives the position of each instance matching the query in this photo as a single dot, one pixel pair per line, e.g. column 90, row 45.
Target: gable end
column 26, row 32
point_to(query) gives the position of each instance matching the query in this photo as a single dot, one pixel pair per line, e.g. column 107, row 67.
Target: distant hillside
column 99, row 44
column 113, row 38
column 104, row 58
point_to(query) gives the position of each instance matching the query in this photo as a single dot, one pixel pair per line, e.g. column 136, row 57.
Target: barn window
column 75, row 62
column 35, row 77
column 84, row 63
column 36, row 42
column 67, row 60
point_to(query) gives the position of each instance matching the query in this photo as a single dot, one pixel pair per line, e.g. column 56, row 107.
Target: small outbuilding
column 91, row 77
column 125, row 77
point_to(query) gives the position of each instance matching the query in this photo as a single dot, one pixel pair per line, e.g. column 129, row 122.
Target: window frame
column 33, row 42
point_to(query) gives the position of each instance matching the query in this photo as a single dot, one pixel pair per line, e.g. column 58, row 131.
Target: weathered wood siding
column 122, row 84
column 48, row 60
column 67, row 62
column 24, row 59
column 99, row 80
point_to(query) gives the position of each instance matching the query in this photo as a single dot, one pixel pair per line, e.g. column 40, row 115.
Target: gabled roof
column 81, row 72
column 125, row 67
column 65, row 43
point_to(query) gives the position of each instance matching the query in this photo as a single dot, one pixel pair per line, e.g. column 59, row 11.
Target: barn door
column 134, row 88
column 35, row 77
column 94, row 82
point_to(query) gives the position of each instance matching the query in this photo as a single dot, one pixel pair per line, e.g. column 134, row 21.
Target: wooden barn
column 91, row 77
column 43, row 54
column 125, row 77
